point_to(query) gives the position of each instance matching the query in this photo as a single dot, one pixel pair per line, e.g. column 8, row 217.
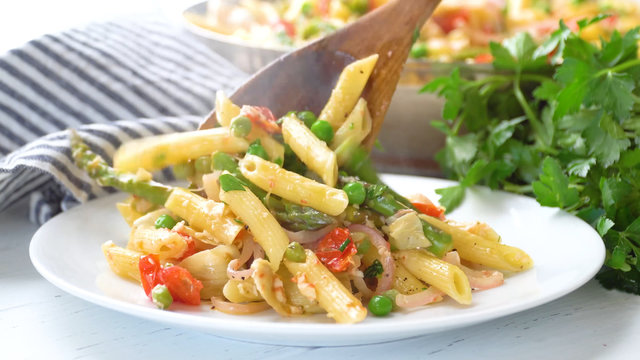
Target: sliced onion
column 388, row 264
column 210, row 185
column 425, row 297
column 308, row 236
column 238, row 309
column 258, row 252
column 359, row 283
column 478, row 279
column 235, row 274
column 232, row 269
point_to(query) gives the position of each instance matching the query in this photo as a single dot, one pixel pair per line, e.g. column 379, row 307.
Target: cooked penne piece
column 405, row 282
column 210, row 267
column 145, row 238
column 446, row 277
column 264, row 227
column 295, row 296
column 226, row 110
column 481, row 251
column 128, row 211
column 344, row 96
column 357, row 125
column 157, row 152
column 312, row 151
column 271, row 288
column 204, row 215
column 332, row 296
column 123, row 262
column 241, row 291
column 293, row 187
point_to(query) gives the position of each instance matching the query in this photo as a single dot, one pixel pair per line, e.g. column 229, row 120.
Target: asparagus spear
column 105, row 175
column 293, row 216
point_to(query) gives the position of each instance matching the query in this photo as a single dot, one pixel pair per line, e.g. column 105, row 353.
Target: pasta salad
column 288, row 214
column 459, row 30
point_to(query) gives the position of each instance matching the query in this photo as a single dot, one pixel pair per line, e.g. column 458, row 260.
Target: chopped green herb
column 229, row 182
column 374, row 269
column 344, row 245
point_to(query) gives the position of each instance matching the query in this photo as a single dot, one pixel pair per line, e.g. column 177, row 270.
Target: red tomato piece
column 485, row 58
column 452, row 20
column 261, row 116
column 322, row 6
column 329, row 252
column 426, row 206
column 191, row 246
column 181, row 284
column 149, row 266
column 288, row 27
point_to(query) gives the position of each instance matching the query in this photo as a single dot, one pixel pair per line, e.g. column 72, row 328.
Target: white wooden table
column 38, row 321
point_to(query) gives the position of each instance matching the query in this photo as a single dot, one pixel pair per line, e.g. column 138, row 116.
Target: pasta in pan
column 269, row 223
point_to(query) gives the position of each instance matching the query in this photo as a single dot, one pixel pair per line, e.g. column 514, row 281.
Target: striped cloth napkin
column 112, row 82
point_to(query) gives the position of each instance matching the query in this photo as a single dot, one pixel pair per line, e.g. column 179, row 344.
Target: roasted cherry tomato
column 288, row 27
column 336, row 249
column 191, row 246
column 452, row 20
column 181, row 284
column 149, row 266
column 322, row 7
column 425, row 206
column 485, row 58
column 261, row 116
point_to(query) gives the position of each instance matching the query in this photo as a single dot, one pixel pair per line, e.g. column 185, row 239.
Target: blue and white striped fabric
column 112, row 82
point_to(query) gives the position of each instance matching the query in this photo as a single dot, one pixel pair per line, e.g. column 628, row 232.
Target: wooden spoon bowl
column 303, row 79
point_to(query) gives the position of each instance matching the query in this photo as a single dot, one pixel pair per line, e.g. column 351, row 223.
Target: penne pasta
column 442, row 275
column 241, row 291
column 226, row 110
column 332, row 296
column 123, row 262
column 357, row 126
column 312, row 151
column 145, row 238
column 264, row 227
column 204, row 215
column 157, row 152
column 405, row 282
column 482, row 251
column 344, row 96
column 293, row 187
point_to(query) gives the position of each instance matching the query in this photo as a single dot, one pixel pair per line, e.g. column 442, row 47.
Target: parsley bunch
column 559, row 121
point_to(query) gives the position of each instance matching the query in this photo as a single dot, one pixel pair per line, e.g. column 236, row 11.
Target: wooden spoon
column 303, row 79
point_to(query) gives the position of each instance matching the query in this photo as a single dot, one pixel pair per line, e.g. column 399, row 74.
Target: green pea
column 419, row 50
column 256, row 149
column 224, row 161
column 165, row 221
column 322, row 130
column 358, row 6
column 184, row 170
column 307, row 8
column 380, row 305
column 307, row 117
column 240, row 126
column 203, row 164
column 356, row 192
column 295, row 252
column 161, row 296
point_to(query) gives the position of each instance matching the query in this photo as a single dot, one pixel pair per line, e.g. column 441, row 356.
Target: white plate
column 567, row 253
